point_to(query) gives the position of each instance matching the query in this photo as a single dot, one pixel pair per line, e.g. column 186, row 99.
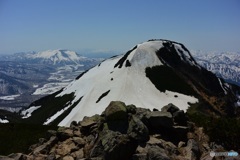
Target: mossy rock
column 116, row 111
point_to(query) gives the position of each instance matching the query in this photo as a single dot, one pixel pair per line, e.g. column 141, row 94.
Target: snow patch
column 28, row 112
column 35, row 86
column 49, row 120
column 3, row 121
column 9, row 98
column 220, row 82
column 49, row 88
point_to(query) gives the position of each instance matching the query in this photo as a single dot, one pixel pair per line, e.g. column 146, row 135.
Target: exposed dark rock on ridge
column 124, row 132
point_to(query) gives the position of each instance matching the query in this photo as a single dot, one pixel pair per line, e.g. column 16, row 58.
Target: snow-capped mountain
column 150, row 75
column 53, row 57
column 58, row 57
column 223, row 64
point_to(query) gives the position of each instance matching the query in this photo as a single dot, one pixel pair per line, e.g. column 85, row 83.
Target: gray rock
column 97, row 151
column 139, row 157
column 169, row 147
column 79, row 141
column 66, row 148
column 137, row 130
column 89, row 124
column 131, row 109
column 159, row 119
column 193, row 145
column 44, row 148
column 170, row 108
column 78, row 154
column 157, row 153
column 16, row 156
column 117, row 146
column 191, row 151
column 64, row 133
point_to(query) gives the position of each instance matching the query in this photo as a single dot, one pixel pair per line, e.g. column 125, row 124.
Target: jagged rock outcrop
column 124, row 132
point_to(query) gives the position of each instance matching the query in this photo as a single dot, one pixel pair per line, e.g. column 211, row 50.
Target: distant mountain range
column 28, row 76
column 223, row 64
column 51, row 57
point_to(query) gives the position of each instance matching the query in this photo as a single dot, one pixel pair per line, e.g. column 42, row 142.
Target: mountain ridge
column 54, row 57
column 144, row 76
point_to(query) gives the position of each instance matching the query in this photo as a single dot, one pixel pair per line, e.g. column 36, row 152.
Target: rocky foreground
column 125, row 133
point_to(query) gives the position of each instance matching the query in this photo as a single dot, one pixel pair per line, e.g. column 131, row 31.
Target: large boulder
column 159, row 119
column 116, row 117
column 115, row 111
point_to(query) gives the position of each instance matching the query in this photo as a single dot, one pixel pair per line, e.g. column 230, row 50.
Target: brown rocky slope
column 125, row 133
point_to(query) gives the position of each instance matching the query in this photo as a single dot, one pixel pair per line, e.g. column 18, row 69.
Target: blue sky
column 104, row 25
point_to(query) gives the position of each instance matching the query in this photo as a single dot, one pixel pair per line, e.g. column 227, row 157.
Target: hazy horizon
column 117, row 26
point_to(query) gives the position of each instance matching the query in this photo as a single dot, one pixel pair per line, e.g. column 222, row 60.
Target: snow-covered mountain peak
column 57, row 56
column 147, row 54
column 127, row 80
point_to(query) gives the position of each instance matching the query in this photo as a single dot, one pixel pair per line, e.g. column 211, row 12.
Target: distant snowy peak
column 51, row 57
column 57, row 56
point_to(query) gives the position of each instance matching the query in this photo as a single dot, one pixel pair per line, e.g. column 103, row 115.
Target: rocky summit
column 125, row 132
